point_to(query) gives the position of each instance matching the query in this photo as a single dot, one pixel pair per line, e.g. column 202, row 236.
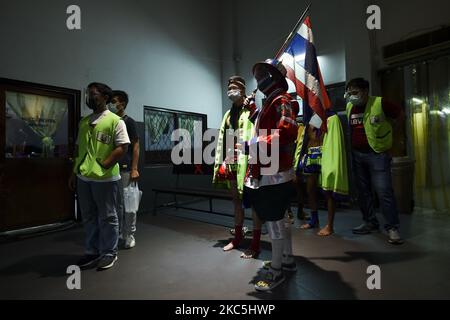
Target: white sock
column 287, row 246
column 277, row 253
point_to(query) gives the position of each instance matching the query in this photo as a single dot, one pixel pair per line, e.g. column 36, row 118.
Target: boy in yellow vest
column 102, row 141
column 230, row 170
column 371, row 139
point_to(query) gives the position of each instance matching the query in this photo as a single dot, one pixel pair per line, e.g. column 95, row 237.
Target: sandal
column 270, row 280
column 250, row 254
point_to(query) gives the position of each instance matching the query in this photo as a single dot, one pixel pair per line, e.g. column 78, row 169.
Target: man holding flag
column 268, row 187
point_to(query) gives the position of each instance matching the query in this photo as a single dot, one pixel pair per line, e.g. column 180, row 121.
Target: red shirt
column 278, row 114
column 359, row 138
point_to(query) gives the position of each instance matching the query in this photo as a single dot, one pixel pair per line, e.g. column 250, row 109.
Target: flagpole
column 291, row 35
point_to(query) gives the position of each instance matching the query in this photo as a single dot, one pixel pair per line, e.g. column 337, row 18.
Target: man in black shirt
column 128, row 170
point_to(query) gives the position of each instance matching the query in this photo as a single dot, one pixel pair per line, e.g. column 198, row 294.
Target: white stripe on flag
column 303, row 76
column 306, row 33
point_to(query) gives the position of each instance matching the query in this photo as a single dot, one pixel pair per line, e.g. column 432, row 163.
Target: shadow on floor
column 44, row 265
column 326, row 284
column 375, row 258
column 77, row 238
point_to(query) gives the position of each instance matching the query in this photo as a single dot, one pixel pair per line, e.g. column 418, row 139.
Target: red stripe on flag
column 307, row 22
column 309, row 97
column 323, row 90
column 300, row 88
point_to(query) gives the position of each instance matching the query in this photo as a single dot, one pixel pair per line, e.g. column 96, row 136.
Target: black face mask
column 91, row 103
column 265, row 84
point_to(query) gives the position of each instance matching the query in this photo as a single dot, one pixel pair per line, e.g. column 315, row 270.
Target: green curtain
column 429, row 111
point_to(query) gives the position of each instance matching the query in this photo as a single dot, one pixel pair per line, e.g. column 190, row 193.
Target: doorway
column 38, row 131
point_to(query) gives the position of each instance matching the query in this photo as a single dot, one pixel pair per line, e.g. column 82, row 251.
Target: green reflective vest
column 95, row 144
column 245, row 133
column 378, row 129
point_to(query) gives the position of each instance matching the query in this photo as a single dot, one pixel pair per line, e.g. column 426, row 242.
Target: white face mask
column 315, row 121
column 234, row 95
column 113, row 108
column 355, row 100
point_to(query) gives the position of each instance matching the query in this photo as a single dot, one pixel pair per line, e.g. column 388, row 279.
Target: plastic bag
column 132, row 197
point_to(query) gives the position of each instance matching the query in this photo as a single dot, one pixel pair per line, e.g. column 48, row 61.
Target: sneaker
column 365, row 228
column 106, row 262
column 270, row 280
column 130, row 243
column 394, row 237
column 291, row 267
column 88, row 260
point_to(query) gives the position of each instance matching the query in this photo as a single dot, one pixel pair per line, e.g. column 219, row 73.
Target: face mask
column 91, row 103
column 355, row 100
column 113, row 108
column 265, row 84
column 234, row 95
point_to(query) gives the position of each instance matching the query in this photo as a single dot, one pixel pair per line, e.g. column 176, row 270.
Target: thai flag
column 300, row 60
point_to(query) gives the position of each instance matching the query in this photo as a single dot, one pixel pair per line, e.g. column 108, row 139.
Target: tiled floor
column 178, row 258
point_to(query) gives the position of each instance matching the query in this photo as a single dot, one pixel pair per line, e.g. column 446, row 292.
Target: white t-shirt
column 120, row 138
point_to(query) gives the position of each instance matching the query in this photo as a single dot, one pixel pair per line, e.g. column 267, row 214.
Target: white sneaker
column 130, row 242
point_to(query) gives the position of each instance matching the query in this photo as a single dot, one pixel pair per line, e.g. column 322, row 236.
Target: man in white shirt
column 102, row 140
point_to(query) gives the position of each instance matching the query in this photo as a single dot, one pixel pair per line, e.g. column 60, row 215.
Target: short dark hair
column 103, row 89
column 122, row 95
column 359, row 83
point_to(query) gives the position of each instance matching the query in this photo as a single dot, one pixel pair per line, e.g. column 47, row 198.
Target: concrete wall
column 163, row 53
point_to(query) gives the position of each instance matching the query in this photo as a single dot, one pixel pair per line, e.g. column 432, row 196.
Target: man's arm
column 121, row 142
column 135, row 161
column 285, row 132
column 115, row 156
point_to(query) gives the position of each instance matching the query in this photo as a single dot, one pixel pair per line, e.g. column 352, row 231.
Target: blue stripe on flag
column 302, row 49
column 297, row 49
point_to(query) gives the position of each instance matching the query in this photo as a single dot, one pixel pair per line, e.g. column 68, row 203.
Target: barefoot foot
column 325, row 232
column 229, row 247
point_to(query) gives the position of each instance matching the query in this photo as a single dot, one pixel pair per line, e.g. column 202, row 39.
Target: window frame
column 163, row 156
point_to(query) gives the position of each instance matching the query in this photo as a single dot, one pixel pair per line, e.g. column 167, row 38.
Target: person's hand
column 72, row 182
column 249, row 99
column 104, row 164
column 134, row 175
